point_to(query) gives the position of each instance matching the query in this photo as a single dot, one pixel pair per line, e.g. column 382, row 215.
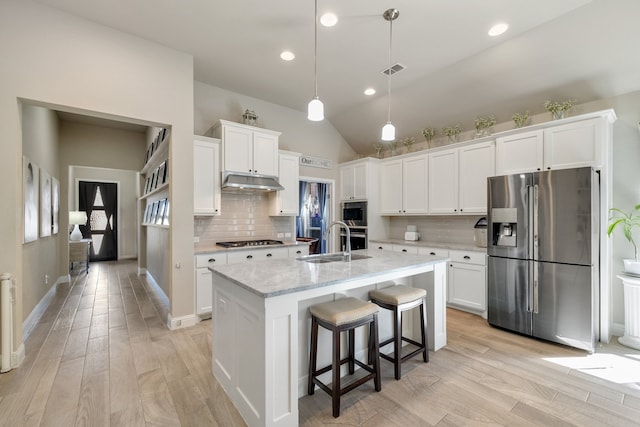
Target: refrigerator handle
column 535, row 287
column 535, row 222
column 534, row 291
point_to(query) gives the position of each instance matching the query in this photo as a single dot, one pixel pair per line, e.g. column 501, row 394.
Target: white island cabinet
column 260, row 322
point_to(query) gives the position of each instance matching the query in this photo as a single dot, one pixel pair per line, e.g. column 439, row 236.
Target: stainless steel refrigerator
column 543, row 247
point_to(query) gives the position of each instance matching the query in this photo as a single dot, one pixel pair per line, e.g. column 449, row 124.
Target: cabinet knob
column 467, row 257
column 298, row 252
column 548, row 167
column 404, row 250
column 249, row 256
column 379, row 248
column 538, row 169
column 216, row 210
column 268, row 255
column 212, row 260
column 432, row 253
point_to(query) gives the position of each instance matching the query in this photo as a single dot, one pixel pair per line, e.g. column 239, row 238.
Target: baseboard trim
column 182, row 321
column 34, row 317
column 617, row 329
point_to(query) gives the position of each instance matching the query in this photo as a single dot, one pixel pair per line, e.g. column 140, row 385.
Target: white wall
column 42, row 257
column 58, row 60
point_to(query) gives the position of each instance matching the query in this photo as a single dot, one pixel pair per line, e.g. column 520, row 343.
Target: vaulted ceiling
column 455, row 72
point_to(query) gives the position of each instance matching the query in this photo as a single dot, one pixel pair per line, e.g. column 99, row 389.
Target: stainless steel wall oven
column 354, row 214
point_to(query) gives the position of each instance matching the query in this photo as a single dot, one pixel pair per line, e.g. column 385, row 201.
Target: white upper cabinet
column 353, row 180
column 443, row 182
column 573, row 145
column 286, row 202
column 206, row 176
column 476, row 163
column 247, row 149
column 570, row 145
column 403, row 186
column 391, row 180
column 522, row 152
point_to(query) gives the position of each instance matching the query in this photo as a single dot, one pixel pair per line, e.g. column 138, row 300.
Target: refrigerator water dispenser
column 504, row 226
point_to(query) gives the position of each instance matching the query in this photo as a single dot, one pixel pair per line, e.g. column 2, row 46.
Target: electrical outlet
column 46, row 280
column 196, row 239
column 287, row 235
column 280, row 235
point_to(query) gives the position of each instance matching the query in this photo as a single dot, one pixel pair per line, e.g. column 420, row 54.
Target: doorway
column 314, row 214
column 100, row 201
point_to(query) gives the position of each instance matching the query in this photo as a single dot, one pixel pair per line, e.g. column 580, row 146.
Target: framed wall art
column 30, row 184
column 55, row 205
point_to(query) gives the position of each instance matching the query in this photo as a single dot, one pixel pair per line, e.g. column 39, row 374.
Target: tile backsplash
column 437, row 229
column 245, row 215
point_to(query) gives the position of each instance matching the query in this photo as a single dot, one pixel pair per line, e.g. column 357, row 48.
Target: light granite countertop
column 282, row 276
column 212, row 247
column 426, row 244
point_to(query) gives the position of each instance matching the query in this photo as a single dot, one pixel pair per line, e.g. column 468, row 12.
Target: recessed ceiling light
column 287, row 55
column 498, row 29
column 369, row 91
column 329, row 19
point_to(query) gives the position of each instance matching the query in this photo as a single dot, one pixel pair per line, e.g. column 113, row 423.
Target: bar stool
column 400, row 298
column 344, row 314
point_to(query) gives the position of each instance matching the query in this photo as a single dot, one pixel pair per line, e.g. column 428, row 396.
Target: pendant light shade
column 315, row 109
column 389, row 131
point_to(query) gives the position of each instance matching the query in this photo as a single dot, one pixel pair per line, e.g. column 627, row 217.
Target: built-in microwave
column 354, row 214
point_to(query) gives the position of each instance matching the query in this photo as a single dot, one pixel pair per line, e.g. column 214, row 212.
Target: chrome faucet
column 347, row 253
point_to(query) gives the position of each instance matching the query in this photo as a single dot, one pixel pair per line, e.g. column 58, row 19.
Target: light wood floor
column 101, row 355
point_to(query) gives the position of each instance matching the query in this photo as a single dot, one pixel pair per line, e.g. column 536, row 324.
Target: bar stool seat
column 344, row 314
column 398, row 299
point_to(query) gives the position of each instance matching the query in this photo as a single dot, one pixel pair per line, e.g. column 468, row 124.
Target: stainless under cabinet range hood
column 235, row 180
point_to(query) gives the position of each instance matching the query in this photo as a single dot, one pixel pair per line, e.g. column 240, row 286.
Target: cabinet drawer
column 469, row 257
column 209, row 260
column 297, row 251
column 382, row 246
column 434, row 251
column 257, row 255
column 406, row 249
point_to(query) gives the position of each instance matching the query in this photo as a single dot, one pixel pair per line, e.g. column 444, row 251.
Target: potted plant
column 558, row 109
column 483, row 125
column 629, row 222
column 428, row 134
column 452, row 132
column 520, row 119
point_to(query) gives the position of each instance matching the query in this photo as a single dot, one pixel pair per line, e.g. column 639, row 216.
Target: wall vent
column 395, row 68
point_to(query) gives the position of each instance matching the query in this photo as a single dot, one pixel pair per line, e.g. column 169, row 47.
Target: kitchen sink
column 323, row 258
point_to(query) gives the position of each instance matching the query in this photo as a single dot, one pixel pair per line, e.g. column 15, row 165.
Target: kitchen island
column 261, row 322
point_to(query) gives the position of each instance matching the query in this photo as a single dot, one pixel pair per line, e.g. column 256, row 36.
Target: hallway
column 100, row 355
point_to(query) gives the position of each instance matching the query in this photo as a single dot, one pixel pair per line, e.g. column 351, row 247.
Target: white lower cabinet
column 203, row 279
column 467, row 281
column 204, row 261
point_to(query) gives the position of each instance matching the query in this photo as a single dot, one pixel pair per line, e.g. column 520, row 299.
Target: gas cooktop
column 241, row 243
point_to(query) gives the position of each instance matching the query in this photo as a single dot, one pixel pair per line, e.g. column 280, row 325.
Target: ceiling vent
column 394, row 69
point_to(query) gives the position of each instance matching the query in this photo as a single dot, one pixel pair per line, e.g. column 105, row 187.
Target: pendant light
column 389, row 131
column 315, row 111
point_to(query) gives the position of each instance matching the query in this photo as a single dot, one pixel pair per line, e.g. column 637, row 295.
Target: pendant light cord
column 315, row 47
column 389, row 72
